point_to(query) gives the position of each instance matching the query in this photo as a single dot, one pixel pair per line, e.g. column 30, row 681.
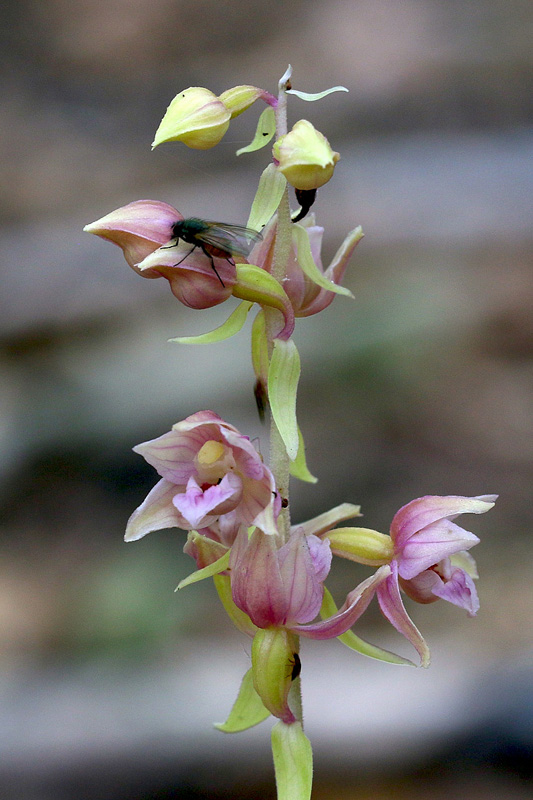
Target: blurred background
column 109, row 682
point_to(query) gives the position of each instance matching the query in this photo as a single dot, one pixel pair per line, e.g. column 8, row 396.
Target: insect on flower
column 215, row 239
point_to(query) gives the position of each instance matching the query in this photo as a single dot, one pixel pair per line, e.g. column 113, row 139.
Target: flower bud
column 305, row 156
column 196, row 117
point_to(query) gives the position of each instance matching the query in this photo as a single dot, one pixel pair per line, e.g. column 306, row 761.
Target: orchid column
column 215, row 485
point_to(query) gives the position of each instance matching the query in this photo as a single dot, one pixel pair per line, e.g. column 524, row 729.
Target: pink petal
column 424, row 511
column 432, row 544
column 321, row 556
column 199, row 506
column 459, row 590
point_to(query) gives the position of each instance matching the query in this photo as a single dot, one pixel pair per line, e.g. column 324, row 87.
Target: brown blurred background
column 423, row 385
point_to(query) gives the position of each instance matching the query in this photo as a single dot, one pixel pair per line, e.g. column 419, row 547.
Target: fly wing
column 233, row 239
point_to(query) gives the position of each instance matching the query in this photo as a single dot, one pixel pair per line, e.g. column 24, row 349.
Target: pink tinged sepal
column 191, row 276
column 391, row 604
column 355, row 605
column 278, row 587
column 329, row 609
column 155, row 512
column 334, row 273
column 138, row 229
column 423, row 532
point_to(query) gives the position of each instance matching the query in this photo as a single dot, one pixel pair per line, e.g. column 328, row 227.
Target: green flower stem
column 279, row 460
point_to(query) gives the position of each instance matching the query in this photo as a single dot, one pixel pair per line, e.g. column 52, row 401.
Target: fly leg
column 184, row 257
column 210, row 257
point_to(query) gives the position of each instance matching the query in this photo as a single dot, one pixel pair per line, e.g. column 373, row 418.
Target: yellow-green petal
column 206, row 572
column 230, row 327
column 266, row 128
column 247, row 711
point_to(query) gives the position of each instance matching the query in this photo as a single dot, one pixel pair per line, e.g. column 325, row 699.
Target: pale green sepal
column 283, row 376
column 247, row 711
column 207, row 572
column 267, row 198
column 307, row 263
column 229, row 328
column 328, row 609
column 242, row 621
column 298, row 467
column 293, row 761
column 311, row 96
column 266, row 128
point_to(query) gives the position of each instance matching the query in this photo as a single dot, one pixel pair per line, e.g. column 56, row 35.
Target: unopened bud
column 305, row 156
column 196, row 117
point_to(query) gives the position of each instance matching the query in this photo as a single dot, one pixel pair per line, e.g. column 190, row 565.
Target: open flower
column 306, row 295
column 210, row 475
column 143, row 230
column 427, row 554
column 430, row 560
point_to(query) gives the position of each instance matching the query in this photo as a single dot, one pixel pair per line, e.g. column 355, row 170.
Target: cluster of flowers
column 214, row 484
